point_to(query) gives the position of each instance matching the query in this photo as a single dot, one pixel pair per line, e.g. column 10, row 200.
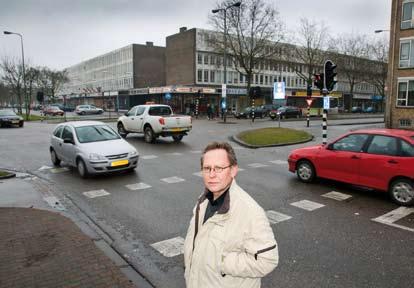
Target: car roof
column 76, row 124
column 385, row 131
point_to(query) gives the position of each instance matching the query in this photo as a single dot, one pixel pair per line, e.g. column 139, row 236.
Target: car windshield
column 95, row 133
column 7, row 113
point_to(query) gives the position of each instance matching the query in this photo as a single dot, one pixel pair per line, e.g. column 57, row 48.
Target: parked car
column 259, row 112
column 9, row 118
column 65, row 108
column 286, row 112
column 53, row 110
column 381, row 159
column 369, row 109
column 92, row 147
column 88, row 109
column 356, row 109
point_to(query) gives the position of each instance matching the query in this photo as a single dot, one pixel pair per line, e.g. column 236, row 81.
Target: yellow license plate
column 176, row 129
column 119, row 163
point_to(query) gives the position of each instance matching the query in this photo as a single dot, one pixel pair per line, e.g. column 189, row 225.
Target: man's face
column 217, row 182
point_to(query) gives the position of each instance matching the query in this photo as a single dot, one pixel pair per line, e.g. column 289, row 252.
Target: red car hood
column 310, row 150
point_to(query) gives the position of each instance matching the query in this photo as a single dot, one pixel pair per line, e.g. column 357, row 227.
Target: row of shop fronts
column 184, row 99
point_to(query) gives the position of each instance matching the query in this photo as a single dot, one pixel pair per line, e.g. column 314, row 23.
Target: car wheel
column 305, row 171
column 82, row 113
column 21, row 124
column 402, row 192
column 82, row 170
column 149, row 135
column 122, row 131
column 54, row 158
column 177, row 138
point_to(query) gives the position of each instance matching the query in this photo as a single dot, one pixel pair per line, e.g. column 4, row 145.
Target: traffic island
column 6, row 174
column 270, row 137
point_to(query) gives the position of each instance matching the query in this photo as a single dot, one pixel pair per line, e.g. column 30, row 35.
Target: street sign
column 326, row 102
column 309, row 101
column 279, row 90
column 167, row 96
column 223, row 90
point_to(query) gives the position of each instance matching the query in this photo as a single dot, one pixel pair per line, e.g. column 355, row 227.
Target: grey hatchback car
column 92, row 147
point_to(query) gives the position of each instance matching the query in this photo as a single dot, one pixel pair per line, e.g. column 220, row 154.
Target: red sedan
column 382, row 159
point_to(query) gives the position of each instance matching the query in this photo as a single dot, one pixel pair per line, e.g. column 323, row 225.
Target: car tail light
column 162, row 121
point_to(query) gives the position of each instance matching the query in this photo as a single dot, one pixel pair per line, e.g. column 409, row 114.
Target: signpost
column 279, row 92
column 223, row 100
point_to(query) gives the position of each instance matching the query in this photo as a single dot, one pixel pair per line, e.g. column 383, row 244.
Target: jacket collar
column 226, row 203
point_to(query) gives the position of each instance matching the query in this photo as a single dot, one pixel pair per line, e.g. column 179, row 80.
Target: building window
column 205, row 75
column 405, row 51
column 261, row 79
column 199, row 75
column 199, row 58
column 212, row 76
column 407, row 14
column 206, row 59
column 405, row 96
column 213, row 60
column 405, row 123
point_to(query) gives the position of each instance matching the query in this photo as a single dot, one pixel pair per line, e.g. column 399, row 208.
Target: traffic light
column 330, row 75
column 255, row 92
column 309, row 91
column 318, row 81
column 40, row 96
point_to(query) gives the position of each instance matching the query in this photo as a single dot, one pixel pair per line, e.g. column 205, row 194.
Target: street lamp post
column 24, row 74
column 387, row 109
column 236, row 4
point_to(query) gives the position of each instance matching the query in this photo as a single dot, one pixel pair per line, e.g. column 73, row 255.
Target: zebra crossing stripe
column 395, row 215
column 276, row 217
column 148, row 157
column 307, row 205
column 279, row 162
column 137, row 186
column 337, row 196
column 171, row 247
column 171, row 180
column 96, row 193
column 256, row 165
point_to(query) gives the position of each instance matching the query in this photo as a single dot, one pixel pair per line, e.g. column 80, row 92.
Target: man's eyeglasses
column 216, row 169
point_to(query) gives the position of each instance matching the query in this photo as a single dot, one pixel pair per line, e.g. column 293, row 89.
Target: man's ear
column 234, row 170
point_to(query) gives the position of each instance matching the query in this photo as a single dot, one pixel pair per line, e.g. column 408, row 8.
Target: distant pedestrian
column 209, row 112
column 229, row 242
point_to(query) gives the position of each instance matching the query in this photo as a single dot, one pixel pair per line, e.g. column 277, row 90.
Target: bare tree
column 50, row 82
column 349, row 52
column 310, row 40
column 13, row 78
column 254, row 34
column 31, row 77
column 378, row 52
column 5, row 96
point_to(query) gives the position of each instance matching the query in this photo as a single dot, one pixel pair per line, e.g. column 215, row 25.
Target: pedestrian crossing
column 174, row 246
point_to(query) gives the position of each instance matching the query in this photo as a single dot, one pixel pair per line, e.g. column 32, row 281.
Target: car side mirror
column 68, row 141
column 126, row 113
column 329, row 146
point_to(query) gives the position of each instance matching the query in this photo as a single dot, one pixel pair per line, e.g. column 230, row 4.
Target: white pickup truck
column 154, row 120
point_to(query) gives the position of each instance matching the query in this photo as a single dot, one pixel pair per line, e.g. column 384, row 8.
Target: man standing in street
column 229, row 242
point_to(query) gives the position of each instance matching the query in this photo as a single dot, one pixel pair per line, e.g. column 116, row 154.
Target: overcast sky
column 61, row 33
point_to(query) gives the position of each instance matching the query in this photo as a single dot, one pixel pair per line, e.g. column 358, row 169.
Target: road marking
column 276, row 217
column 171, row 247
column 256, row 165
column 174, row 154
column 44, row 168
column 95, row 193
column 395, row 215
column 240, row 169
column 279, row 162
column 59, row 170
column 307, row 205
column 196, row 152
column 148, row 157
column 199, row 174
column 137, row 186
column 173, row 179
column 54, row 203
column 238, row 148
column 337, row 196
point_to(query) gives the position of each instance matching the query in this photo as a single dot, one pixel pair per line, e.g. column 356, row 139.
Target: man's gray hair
column 231, row 156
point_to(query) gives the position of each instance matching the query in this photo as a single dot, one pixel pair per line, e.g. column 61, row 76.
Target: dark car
column 259, row 112
column 356, row 109
column 286, row 112
column 369, row 110
column 381, row 159
column 9, row 118
column 65, row 108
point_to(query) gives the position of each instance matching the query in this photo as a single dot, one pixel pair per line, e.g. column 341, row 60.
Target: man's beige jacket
column 233, row 248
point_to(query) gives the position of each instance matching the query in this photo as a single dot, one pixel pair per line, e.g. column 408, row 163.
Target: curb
column 8, row 176
column 242, row 143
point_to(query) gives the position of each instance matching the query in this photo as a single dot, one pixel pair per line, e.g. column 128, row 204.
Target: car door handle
column 132, row 118
column 60, row 144
column 392, row 161
column 355, row 157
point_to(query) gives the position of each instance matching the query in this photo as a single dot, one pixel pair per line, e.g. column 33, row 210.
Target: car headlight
column 133, row 153
column 94, row 157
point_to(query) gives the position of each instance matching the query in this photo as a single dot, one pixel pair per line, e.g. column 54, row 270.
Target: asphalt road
column 336, row 245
